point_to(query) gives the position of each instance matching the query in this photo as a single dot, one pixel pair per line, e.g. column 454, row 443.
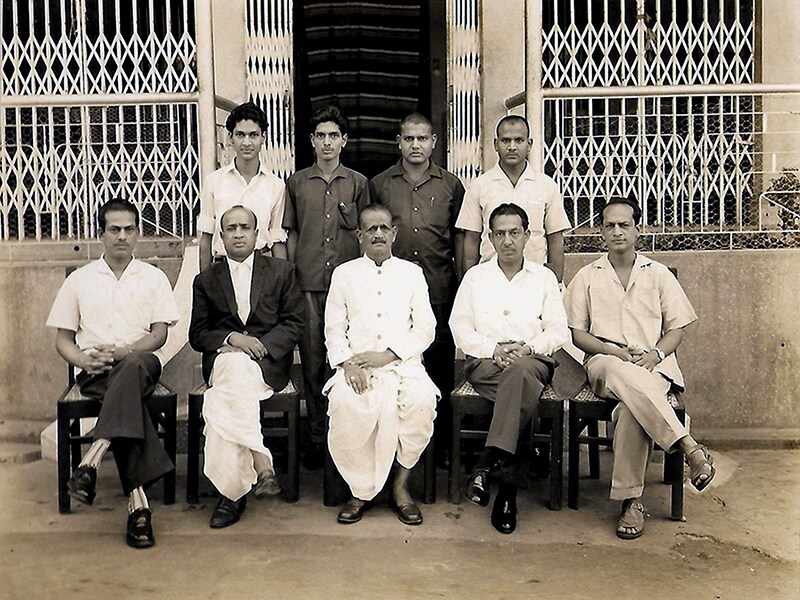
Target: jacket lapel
column 223, row 276
column 260, row 277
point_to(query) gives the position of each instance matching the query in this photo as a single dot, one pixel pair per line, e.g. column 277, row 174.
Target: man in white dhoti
column 247, row 316
column 378, row 321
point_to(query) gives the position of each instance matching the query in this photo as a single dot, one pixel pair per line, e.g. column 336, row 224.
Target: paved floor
column 741, row 539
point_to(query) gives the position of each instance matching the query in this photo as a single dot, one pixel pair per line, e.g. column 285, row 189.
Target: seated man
column 508, row 319
column 111, row 315
column 247, row 316
column 378, row 322
column 628, row 314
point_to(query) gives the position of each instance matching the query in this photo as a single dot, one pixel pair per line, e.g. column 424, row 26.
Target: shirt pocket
column 348, row 214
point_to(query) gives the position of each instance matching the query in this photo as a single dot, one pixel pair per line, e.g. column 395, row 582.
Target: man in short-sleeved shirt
column 513, row 181
column 321, row 216
column 246, row 182
column 111, row 315
column 425, row 200
column 628, row 314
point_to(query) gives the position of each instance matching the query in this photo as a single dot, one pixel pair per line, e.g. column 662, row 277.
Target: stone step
column 21, row 431
column 19, row 453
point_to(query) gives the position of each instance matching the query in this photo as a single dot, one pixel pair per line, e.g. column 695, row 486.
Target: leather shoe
column 504, row 509
column 409, row 513
column 227, row 512
column 477, row 490
column 267, row 486
column 81, row 485
column 352, row 511
column 314, row 457
column 140, row 529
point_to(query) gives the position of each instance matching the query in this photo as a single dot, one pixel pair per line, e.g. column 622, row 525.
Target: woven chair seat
column 74, row 394
column 587, row 395
column 466, row 389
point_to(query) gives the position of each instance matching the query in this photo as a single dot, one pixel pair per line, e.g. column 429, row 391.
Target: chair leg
column 573, row 456
column 170, row 445
column 193, row 448
column 74, row 447
column 594, row 450
column 293, row 451
column 673, row 466
column 454, row 475
column 429, row 496
column 63, row 463
column 556, row 459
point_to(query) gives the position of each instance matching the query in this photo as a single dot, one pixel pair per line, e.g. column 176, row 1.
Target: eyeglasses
column 515, row 234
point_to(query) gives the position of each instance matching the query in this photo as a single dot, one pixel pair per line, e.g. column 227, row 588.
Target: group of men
column 377, row 282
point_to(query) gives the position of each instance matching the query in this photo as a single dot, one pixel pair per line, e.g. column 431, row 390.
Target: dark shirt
column 425, row 216
column 325, row 217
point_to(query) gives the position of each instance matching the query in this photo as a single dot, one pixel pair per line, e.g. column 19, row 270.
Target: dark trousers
column 125, row 421
column 314, row 361
column 439, row 361
column 515, row 392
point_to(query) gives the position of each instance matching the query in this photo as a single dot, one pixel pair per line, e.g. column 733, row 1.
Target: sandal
column 702, row 474
column 631, row 517
column 477, row 490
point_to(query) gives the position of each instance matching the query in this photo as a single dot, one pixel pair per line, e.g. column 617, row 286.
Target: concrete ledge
column 749, row 439
column 42, row 252
column 19, row 431
column 19, row 453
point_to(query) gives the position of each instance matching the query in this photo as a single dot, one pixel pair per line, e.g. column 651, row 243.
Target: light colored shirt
column 489, row 309
column 242, row 278
column 374, row 308
column 634, row 318
column 226, row 187
column 102, row 309
column 537, row 193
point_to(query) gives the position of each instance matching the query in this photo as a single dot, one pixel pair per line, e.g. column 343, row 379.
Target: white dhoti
column 233, row 425
column 392, row 419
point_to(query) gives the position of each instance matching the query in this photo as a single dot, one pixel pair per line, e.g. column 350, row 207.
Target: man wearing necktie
column 247, row 317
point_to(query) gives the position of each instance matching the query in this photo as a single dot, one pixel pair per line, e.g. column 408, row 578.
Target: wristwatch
column 661, row 355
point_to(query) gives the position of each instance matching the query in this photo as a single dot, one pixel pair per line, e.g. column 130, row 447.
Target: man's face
column 512, row 143
column 120, row 235
column 239, row 233
column 328, row 141
column 376, row 235
column 509, row 238
column 619, row 231
column 247, row 139
column 417, row 142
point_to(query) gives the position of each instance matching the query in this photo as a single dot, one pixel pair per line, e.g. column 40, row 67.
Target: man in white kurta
column 378, row 321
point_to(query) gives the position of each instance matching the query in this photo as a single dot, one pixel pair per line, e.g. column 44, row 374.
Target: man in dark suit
column 247, row 317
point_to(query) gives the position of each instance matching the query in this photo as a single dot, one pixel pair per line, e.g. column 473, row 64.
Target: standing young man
column 111, row 315
column 321, row 215
column 425, row 200
column 513, row 180
column 627, row 313
column 246, row 182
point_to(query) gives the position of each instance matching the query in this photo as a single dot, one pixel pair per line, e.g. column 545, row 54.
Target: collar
column 397, row 170
column 101, row 266
column 247, row 264
column 372, row 264
column 496, row 173
column 339, row 171
column 639, row 262
column 231, row 167
column 527, row 266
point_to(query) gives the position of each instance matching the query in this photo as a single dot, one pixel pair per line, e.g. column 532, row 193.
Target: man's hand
column 506, row 353
column 98, row 359
column 647, row 360
column 356, row 377
column 373, row 360
column 249, row 345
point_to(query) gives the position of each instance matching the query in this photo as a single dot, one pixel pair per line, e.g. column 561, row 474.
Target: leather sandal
column 701, row 474
column 477, row 490
column 81, row 486
column 352, row 511
column 139, row 532
column 227, row 512
column 267, row 487
column 631, row 517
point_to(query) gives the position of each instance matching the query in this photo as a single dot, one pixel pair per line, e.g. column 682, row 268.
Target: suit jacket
column 276, row 315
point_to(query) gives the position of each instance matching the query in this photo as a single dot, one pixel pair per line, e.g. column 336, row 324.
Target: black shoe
column 314, row 457
column 140, row 529
column 227, row 512
column 409, row 514
column 504, row 509
column 81, row 485
column 477, row 490
column 352, row 511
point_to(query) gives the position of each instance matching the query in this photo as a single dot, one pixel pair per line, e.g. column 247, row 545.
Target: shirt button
column 416, row 188
column 416, row 208
column 328, row 239
column 327, row 192
column 379, row 336
column 245, row 332
column 327, row 263
column 328, row 216
column 379, row 292
column 416, row 229
column 415, row 252
column 379, row 315
column 379, row 271
column 505, row 313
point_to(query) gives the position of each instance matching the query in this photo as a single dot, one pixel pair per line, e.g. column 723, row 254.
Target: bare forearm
column 205, row 251
column 471, row 252
column 555, row 254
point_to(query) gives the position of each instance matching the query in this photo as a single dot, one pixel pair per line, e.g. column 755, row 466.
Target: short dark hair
column 637, row 212
column 374, row 207
column 116, row 205
column 415, row 117
column 511, row 119
column 236, row 206
column 509, row 209
column 329, row 114
column 246, row 112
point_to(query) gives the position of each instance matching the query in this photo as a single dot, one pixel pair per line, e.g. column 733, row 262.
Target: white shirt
column 489, row 309
column 242, row 278
column 226, row 187
column 374, row 308
column 102, row 309
column 537, row 193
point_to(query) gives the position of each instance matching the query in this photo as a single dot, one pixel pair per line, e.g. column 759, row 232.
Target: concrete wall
column 740, row 360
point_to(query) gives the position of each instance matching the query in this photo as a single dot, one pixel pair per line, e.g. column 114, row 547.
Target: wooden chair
column 73, row 406
column 466, row 402
column 586, row 410
column 286, row 402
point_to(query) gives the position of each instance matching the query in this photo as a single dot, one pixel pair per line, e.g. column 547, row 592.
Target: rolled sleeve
column 470, row 217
